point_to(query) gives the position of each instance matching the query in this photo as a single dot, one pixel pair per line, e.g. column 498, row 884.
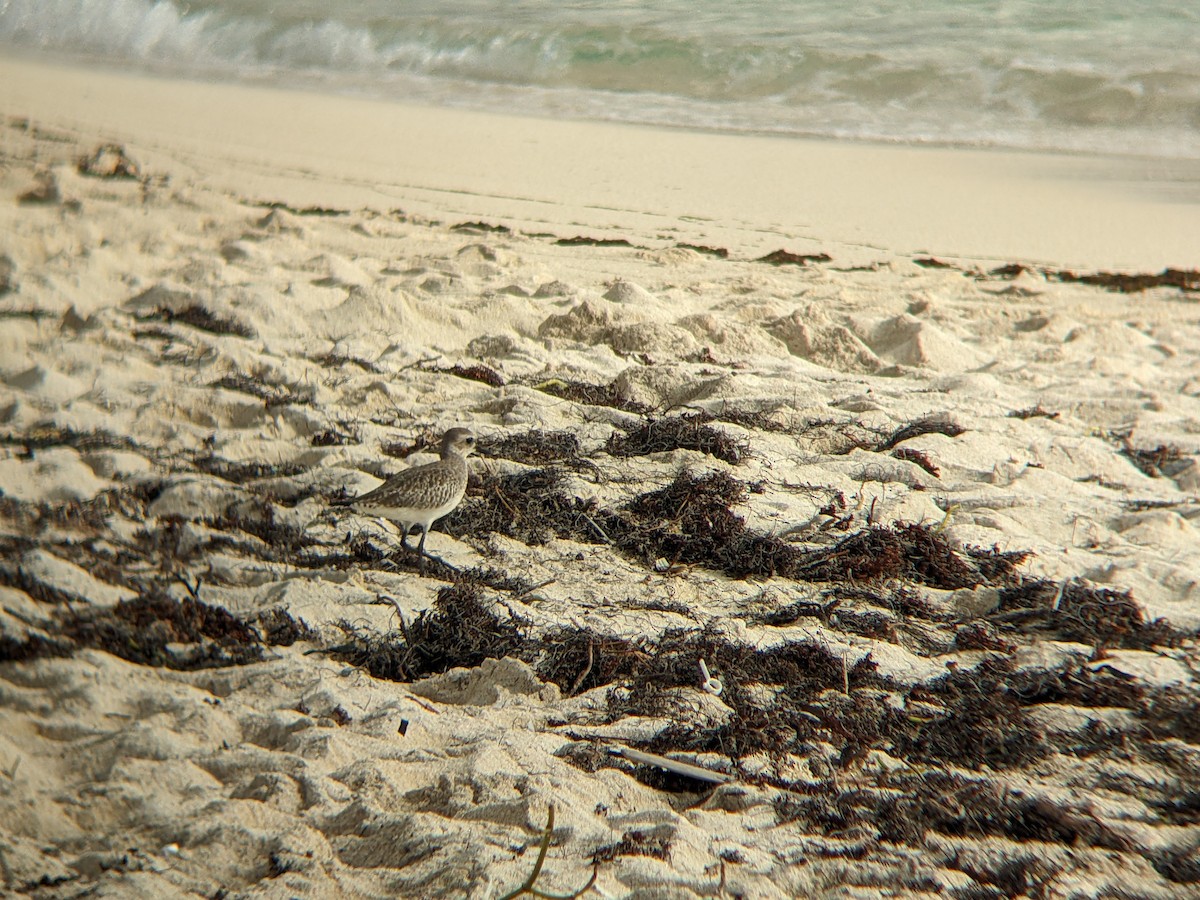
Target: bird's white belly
column 408, row 516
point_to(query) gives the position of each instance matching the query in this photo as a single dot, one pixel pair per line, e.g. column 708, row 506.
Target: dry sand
column 295, row 290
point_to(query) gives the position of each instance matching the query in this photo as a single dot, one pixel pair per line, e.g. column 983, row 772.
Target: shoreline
column 316, row 86
column 751, row 194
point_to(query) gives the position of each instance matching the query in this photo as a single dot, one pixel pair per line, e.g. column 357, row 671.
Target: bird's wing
column 427, row 485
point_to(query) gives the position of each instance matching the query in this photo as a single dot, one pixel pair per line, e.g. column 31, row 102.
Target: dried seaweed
column 655, row 844
column 201, row 318
column 718, row 252
column 33, row 646
column 1180, row 865
column 787, row 258
column 686, row 432
column 582, row 241
column 1077, row 685
column 690, row 522
column 840, row 438
column 1033, row 412
column 480, row 228
column 954, row 805
column 14, row 574
column 1010, row 270
column 256, row 516
column 1172, row 712
column 1157, row 462
column 579, row 659
column 931, row 425
column 981, row 636
column 337, row 360
column 42, row 436
column 279, row 628
column 1180, row 808
column 867, row 623
column 322, row 211
column 912, row 552
column 919, row 458
column 591, row 394
column 534, row 447
column 747, row 418
column 129, row 502
column 1023, row 876
column 981, row 722
column 803, row 671
column 1127, row 283
column 528, row 506
column 794, row 612
column 238, row 472
column 400, row 450
column 272, row 395
column 149, row 630
column 1074, row 611
column 458, row 631
column 995, row 565
column 331, row 437
column 477, row 372
column 36, row 315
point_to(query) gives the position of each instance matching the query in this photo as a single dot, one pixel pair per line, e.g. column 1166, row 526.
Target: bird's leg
column 404, row 536
column 421, row 551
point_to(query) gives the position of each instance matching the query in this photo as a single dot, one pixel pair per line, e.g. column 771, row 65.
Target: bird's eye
column 471, row 440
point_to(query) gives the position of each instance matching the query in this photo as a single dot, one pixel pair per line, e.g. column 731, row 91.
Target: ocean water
column 1105, row 76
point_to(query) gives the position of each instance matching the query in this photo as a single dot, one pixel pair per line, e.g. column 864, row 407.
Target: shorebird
column 423, row 494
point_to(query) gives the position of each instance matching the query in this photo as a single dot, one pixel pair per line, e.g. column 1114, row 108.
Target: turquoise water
column 1101, row 76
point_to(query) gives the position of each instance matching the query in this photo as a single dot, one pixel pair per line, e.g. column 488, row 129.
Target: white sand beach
column 958, row 636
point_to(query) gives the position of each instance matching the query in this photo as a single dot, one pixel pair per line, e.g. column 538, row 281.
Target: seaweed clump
column 203, row 319
column 32, row 646
column 1126, row 283
column 788, row 258
column 686, row 432
column 42, row 436
column 912, row 552
column 281, row 541
column 1078, row 612
column 476, row 372
column 913, row 804
column 591, row 394
column 532, row 447
column 529, row 506
column 92, row 513
column 690, row 522
column 149, row 628
column 579, row 659
column 655, row 843
column 972, row 719
column 271, row 394
column 929, row 425
column 458, row 631
column 1156, row 462
column 239, row 472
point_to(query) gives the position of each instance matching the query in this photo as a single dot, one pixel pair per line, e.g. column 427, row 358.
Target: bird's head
column 458, row 440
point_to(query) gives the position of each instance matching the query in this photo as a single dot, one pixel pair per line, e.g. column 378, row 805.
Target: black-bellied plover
column 423, row 494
